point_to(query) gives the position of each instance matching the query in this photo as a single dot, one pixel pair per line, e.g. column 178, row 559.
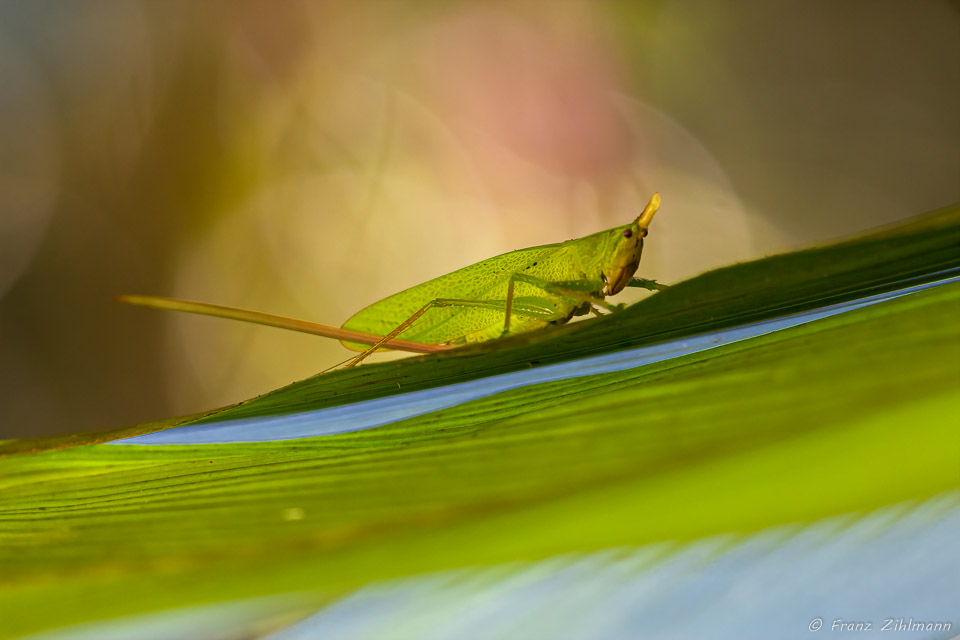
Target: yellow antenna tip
column 643, row 220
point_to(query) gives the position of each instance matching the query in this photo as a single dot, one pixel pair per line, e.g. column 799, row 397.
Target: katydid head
column 627, row 245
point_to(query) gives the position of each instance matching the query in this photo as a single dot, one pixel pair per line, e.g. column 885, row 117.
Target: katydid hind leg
column 403, row 326
column 439, row 303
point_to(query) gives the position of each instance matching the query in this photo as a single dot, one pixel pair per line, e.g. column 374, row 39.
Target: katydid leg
column 439, row 303
column 550, row 287
column 649, row 285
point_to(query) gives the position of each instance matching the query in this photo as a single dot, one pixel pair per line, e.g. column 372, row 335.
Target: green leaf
column 841, row 415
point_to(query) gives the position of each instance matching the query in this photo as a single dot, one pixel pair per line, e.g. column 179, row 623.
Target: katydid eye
column 627, row 233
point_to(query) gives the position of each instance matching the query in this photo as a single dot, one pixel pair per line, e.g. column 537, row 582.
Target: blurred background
column 309, row 158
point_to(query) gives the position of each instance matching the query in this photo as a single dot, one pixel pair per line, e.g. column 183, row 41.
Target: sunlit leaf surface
column 841, row 415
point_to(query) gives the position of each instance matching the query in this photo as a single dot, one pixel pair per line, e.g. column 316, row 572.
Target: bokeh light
column 310, row 158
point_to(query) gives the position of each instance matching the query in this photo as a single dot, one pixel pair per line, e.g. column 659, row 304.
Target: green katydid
column 511, row 293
